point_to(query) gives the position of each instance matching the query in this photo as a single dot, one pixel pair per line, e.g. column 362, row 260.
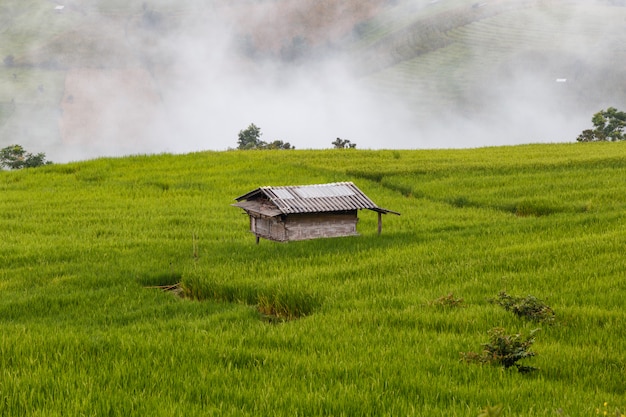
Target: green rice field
column 349, row 326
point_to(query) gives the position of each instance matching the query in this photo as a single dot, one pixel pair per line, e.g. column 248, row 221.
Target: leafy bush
column 343, row 144
column 528, row 307
column 16, row 157
column 505, row 350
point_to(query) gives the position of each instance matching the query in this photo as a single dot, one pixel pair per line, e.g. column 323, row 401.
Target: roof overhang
column 384, row 211
column 261, row 208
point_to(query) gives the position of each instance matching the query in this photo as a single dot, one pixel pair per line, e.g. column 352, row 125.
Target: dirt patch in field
column 113, row 106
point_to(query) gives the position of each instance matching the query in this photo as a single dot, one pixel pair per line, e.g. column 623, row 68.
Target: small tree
column 343, row 144
column 16, row 157
column 250, row 137
column 609, row 126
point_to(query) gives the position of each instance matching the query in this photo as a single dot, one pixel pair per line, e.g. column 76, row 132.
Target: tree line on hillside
column 609, row 125
column 250, row 138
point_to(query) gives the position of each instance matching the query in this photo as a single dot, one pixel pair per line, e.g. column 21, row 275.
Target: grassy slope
column 81, row 334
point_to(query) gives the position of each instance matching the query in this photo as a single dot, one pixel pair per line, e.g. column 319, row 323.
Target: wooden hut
column 307, row 211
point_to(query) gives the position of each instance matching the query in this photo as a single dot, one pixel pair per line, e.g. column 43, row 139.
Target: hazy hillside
column 87, row 78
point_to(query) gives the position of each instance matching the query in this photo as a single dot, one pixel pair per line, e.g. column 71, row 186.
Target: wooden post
column 380, row 223
column 257, row 239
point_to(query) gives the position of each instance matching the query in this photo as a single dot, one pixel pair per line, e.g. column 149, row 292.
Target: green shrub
column 504, row 349
column 528, row 307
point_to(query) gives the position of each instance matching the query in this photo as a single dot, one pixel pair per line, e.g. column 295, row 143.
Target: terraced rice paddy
column 345, row 326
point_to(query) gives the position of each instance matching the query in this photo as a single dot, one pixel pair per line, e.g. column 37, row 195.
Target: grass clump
column 280, row 308
column 505, row 350
column 529, row 307
column 447, row 301
column 535, row 207
column 491, row 411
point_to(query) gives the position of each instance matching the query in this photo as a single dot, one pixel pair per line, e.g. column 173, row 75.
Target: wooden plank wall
column 269, row 228
column 320, row 225
column 305, row 226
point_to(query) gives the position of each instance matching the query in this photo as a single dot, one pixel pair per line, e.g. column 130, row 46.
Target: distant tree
column 249, row 138
column 343, row 144
column 278, row 144
column 16, row 157
column 609, row 126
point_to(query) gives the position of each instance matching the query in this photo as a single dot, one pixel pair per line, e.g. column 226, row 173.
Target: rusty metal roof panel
column 339, row 196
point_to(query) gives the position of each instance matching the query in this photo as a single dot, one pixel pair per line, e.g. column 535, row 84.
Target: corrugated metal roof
column 339, row 196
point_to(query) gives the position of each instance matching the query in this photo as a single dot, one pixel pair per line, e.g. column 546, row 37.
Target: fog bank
column 191, row 80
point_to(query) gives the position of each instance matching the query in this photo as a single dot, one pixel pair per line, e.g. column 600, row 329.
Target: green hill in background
column 89, row 78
